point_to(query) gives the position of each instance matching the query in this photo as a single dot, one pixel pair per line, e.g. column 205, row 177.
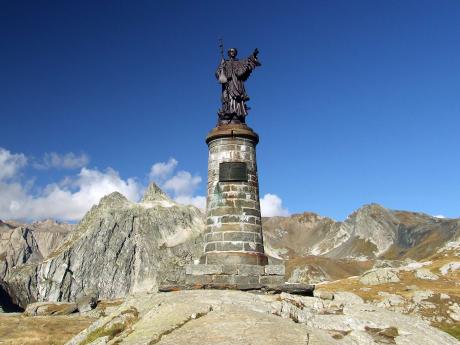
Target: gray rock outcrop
column 380, row 276
column 47, row 308
column 425, row 274
column 119, row 247
column 233, row 317
column 22, row 244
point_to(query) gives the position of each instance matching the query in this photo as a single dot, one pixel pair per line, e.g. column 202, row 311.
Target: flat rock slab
column 235, row 325
column 216, row 317
column 50, row 308
column 295, row 289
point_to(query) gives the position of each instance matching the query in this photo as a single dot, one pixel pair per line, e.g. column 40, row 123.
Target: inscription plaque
column 233, row 172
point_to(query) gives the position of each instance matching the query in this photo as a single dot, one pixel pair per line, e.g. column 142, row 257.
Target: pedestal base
column 229, row 258
column 234, row 276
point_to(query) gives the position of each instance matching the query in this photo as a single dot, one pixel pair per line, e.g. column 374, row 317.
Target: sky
column 355, row 102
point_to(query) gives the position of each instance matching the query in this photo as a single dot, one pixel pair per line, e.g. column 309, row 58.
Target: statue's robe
column 232, row 74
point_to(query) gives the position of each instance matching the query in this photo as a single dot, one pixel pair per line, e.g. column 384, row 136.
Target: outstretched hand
column 256, row 52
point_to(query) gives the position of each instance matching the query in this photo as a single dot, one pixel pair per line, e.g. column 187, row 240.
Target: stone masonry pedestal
column 234, row 249
column 233, row 221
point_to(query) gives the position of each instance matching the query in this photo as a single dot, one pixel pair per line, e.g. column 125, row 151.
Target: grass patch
column 453, row 330
column 114, row 327
column 111, row 332
column 44, row 330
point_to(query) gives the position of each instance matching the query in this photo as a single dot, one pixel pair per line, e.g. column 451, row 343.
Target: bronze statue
column 232, row 74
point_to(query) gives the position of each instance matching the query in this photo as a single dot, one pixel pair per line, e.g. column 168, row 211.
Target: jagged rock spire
column 154, row 193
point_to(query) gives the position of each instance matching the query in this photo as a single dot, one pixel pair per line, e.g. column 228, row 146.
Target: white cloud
column 65, row 161
column 182, row 185
column 162, row 170
column 197, row 201
column 65, row 201
column 68, row 199
column 271, row 205
column 10, row 164
column 71, row 197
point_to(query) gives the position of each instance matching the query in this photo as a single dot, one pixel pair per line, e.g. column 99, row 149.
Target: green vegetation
column 114, row 327
column 111, row 332
column 453, row 330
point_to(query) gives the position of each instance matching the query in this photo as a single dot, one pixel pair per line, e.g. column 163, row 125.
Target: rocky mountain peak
column 308, row 217
column 154, row 193
column 371, row 209
column 114, row 199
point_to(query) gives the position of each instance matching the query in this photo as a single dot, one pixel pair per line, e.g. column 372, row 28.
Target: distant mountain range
column 371, row 232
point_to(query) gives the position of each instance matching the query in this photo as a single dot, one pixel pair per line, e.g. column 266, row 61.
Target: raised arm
column 220, row 68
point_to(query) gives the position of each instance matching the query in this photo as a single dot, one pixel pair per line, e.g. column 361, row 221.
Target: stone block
column 214, row 236
column 232, row 258
column 230, row 269
column 229, row 219
column 210, row 247
column 197, row 270
column 198, row 280
column 250, row 270
column 275, row 270
column 225, row 279
column 251, row 212
column 246, row 280
column 229, row 246
column 239, row 236
column 253, row 247
column 224, row 211
column 271, row 280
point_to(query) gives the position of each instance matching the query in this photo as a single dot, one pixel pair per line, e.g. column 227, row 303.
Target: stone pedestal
column 234, row 228
column 234, row 248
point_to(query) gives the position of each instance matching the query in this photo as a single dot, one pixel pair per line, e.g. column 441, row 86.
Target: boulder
column 50, row 308
column 380, row 276
column 87, row 302
column 347, row 297
column 454, row 312
column 449, row 267
column 425, row 274
column 327, row 295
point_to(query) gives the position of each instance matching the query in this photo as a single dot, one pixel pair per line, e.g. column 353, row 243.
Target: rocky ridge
column 119, row 247
column 370, row 232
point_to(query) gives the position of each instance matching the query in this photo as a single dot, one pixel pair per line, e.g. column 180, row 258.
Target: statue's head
column 232, row 53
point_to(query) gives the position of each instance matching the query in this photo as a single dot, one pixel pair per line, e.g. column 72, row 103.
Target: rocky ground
column 235, row 317
column 429, row 289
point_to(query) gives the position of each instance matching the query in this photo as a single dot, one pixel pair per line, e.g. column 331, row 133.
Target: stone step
column 238, row 269
column 295, row 289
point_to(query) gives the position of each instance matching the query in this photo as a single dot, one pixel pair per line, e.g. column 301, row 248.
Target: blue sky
column 355, row 102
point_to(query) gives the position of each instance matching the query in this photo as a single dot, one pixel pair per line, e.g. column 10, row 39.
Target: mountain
column 119, row 247
column 371, row 232
column 22, row 244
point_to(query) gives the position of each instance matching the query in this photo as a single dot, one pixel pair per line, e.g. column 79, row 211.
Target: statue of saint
column 232, row 74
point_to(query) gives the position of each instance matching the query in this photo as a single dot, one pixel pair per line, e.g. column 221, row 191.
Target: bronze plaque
column 233, row 172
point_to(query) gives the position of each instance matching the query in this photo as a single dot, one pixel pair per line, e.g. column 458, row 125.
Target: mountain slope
column 119, row 247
